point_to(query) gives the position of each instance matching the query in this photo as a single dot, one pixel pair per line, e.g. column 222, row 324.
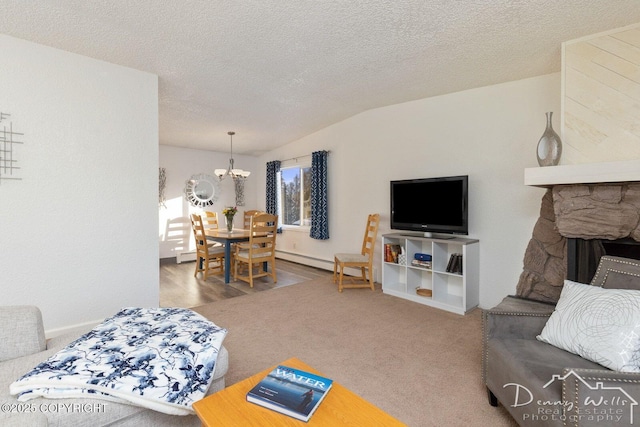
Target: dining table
column 228, row 238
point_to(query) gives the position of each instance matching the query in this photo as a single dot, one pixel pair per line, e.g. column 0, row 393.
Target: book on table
column 290, row 391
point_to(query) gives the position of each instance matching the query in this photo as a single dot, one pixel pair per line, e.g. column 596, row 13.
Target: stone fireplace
column 583, row 216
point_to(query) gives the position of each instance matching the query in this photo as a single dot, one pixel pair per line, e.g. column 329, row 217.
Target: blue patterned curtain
column 272, row 188
column 319, row 199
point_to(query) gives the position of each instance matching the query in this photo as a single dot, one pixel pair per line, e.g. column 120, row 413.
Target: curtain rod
column 303, row 156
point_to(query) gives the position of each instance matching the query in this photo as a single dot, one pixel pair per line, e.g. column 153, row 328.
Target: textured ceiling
column 277, row 70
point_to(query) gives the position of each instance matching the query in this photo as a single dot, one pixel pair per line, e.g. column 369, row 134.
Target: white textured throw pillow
column 601, row 325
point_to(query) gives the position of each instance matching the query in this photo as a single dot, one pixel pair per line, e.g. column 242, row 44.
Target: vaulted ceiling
column 276, row 70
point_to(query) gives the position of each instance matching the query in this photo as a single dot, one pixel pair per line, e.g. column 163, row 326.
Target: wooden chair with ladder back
column 247, row 218
column 260, row 249
column 247, row 225
column 209, row 257
column 210, row 222
column 363, row 260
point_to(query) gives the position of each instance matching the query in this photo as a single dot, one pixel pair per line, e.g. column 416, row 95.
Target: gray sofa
column 542, row 385
column 23, row 346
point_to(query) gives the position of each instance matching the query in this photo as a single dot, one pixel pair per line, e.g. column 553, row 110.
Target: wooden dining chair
column 247, row 225
column 247, row 218
column 209, row 258
column 261, row 248
column 210, row 222
column 363, row 260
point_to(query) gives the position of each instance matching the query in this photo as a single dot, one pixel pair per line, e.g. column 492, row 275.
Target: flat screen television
column 431, row 205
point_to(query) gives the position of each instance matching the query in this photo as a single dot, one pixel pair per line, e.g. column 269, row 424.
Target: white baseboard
column 79, row 328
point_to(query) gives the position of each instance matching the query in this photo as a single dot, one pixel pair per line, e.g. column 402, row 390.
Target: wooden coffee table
column 229, row 407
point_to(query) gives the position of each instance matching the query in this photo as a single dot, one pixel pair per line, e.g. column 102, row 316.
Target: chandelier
column 231, row 171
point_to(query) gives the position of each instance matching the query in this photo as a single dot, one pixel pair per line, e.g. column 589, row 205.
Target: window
column 294, row 196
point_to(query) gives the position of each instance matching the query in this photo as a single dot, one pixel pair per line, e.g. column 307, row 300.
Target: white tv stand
column 455, row 292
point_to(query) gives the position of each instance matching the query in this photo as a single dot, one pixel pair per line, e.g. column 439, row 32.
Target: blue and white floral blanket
column 158, row 358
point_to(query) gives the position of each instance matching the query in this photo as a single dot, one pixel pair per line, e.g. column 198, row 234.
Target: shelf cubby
column 453, row 290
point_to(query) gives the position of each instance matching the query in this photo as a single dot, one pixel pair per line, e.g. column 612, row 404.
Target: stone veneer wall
column 597, row 211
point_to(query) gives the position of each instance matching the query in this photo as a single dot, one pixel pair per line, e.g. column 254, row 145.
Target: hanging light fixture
column 231, row 171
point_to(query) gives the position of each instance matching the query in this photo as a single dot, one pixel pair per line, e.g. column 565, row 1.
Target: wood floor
column 179, row 288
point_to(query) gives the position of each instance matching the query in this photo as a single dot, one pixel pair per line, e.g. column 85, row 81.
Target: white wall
column 78, row 231
column 488, row 133
column 180, row 164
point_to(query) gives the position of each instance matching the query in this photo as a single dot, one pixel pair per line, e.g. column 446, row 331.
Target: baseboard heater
column 305, row 259
column 185, row 256
column 319, row 263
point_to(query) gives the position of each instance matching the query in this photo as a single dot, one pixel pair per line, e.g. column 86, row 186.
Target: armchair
column 542, row 385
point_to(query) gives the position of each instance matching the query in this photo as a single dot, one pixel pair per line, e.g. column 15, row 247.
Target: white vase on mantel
column 549, row 145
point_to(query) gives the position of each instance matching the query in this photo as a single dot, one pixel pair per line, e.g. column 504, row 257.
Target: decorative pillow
column 617, row 273
column 601, row 325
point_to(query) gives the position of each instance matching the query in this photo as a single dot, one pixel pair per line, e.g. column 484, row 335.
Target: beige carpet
column 421, row 365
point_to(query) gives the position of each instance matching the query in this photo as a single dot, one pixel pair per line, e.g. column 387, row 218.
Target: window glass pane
column 306, row 197
column 290, row 201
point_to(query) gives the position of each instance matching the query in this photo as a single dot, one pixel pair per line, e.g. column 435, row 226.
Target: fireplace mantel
column 586, row 173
